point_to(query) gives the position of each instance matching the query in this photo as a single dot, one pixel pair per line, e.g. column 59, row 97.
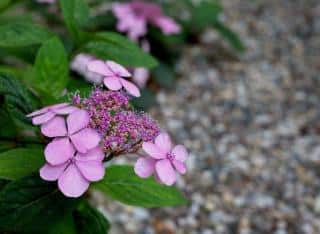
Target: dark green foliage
column 121, row 183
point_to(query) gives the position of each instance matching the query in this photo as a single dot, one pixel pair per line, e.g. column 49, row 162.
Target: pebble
column 251, row 125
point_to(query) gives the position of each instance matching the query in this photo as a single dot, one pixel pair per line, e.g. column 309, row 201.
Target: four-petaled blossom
column 48, row 113
column 70, row 137
column 113, row 76
column 75, row 174
column 162, row 160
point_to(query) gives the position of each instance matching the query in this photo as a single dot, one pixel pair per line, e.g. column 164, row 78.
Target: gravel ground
column 252, row 125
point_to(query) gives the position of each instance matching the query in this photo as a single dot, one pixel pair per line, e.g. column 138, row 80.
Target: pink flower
column 75, row 135
column 80, row 65
column 128, row 21
column 163, row 161
column 47, row 113
column 74, row 174
column 133, row 18
column 113, row 76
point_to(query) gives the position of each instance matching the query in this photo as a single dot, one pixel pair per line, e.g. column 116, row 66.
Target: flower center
column 170, row 156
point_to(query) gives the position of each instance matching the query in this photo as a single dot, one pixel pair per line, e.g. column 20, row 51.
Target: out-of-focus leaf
column 6, row 145
column 24, row 53
column 123, row 185
column 145, row 101
column 205, row 14
column 89, row 220
column 17, row 163
column 18, row 34
column 76, row 15
column 3, row 183
column 10, row 70
column 51, row 68
column 164, row 75
column 31, row 205
column 79, row 86
column 4, row 4
column 230, row 36
column 115, row 47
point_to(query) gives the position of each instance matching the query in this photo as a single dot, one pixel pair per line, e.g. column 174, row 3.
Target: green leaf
column 4, row 4
column 145, row 101
column 7, row 126
column 116, row 47
column 64, row 226
column 22, row 34
column 32, row 205
column 90, row 221
column 76, row 15
column 17, row 163
column 79, row 86
column 51, row 68
column 205, row 14
column 3, row 183
column 10, row 70
column 230, row 36
column 121, row 183
column 18, row 100
column 6, row 145
column 164, row 75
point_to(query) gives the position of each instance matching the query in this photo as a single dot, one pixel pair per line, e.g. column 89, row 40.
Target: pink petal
column 46, row 109
column 39, row 112
column 112, row 83
column 85, row 140
column 95, row 154
column 138, row 28
column 99, row 67
column 180, row 153
column 141, row 76
column 59, row 151
column 58, row 106
column 56, row 127
column 152, row 150
column 130, row 87
column 91, row 170
column 165, row 172
column 77, row 120
column 65, row 110
column 167, row 25
column 41, row 119
column 71, row 183
column 52, row 173
column 163, row 142
column 118, row 69
column 179, row 166
column 144, row 167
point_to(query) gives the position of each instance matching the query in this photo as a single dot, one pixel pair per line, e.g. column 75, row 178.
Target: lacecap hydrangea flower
column 94, row 129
